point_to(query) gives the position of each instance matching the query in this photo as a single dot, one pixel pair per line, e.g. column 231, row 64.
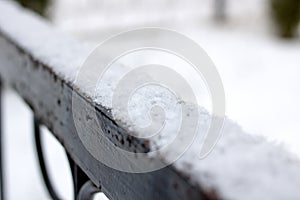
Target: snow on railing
column 41, row 64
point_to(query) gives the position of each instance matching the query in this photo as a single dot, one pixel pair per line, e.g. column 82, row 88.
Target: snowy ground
column 259, row 72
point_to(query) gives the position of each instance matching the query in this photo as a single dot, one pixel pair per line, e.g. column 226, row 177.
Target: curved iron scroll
column 41, row 159
column 84, row 189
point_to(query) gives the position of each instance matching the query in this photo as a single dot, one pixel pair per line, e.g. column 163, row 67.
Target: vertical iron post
column 40, row 155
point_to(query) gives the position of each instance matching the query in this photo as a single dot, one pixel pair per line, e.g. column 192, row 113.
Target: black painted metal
column 1, row 148
column 79, row 179
column 84, row 189
column 41, row 159
column 50, row 97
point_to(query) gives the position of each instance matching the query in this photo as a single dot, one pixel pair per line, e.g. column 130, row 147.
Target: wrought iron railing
column 38, row 77
column 49, row 95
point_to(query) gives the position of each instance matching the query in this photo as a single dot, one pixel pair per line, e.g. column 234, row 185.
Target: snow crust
column 243, row 166
column 37, row 37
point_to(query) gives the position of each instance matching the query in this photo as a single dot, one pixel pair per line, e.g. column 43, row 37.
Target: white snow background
column 259, row 72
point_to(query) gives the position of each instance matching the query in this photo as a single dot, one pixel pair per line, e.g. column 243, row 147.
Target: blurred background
column 254, row 44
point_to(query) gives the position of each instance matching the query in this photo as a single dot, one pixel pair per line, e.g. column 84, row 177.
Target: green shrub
column 39, row 6
column 286, row 15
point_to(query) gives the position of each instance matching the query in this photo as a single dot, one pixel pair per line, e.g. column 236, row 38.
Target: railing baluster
column 84, row 189
column 39, row 150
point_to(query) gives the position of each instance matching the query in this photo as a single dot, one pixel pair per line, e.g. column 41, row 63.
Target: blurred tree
column 39, row 6
column 286, row 15
column 220, row 10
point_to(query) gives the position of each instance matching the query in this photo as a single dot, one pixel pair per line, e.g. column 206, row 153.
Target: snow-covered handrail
column 40, row 63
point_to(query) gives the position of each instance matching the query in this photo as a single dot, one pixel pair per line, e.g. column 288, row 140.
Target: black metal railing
column 83, row 187
column 32, row 73
column 49, row 95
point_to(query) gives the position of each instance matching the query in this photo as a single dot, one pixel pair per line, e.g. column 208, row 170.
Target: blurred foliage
column 39, row 6
column 220, row 10
column 286, row 15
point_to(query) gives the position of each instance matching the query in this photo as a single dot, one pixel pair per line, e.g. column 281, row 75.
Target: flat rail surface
column 41, row 65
